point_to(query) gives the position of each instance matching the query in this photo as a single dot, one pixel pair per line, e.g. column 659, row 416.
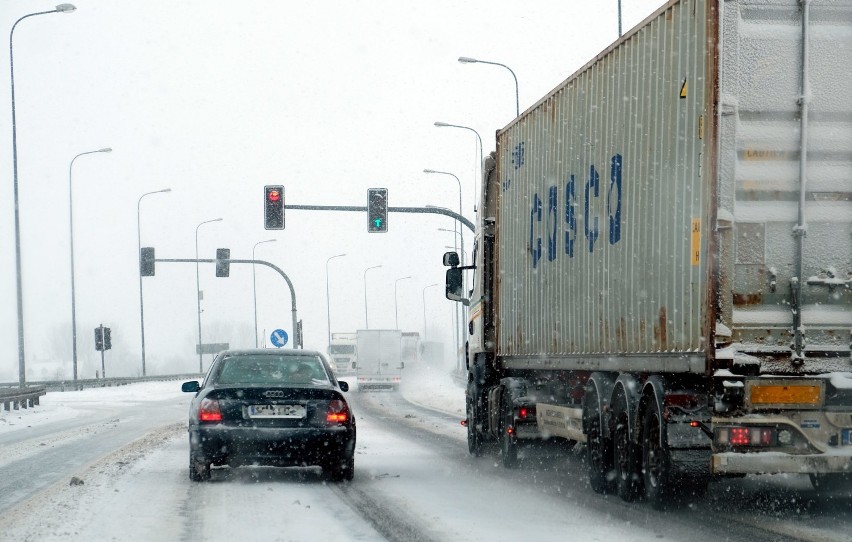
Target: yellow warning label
column 683, row 89
column 696, row 241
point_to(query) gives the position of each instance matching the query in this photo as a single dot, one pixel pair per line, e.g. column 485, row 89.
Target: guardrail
column 17, row 398
column 70, row 385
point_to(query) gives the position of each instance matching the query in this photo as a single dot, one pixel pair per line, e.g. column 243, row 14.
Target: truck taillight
column 526, row 412
column 337, row 412
column 209, row 411
column 746, row 436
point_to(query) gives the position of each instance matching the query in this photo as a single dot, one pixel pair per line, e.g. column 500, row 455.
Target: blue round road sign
column 278, row 338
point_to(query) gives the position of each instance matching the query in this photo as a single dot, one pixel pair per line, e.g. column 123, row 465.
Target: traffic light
column 103, row 338
column 377, row 210
column 273, row 207
column 223, row 269
column 146, row 261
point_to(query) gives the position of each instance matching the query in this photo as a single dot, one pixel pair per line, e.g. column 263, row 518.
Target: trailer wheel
column 508, row 442
column 624, row 458
column 656, row 463
column 474, row 438
column 831, row 482
column 598, row 455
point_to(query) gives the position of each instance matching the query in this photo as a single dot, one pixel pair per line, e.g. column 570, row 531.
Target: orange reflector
column 785, row 395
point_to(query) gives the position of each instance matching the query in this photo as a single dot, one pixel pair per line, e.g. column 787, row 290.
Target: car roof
column 270, row 352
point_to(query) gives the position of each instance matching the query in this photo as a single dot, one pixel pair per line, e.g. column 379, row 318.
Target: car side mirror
column 190, row 387
column 344, row 386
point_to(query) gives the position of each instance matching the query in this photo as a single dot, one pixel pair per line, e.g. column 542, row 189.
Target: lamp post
column 139, row 252
column 366, row 314
column 468, row 60
column 71, row 232
column 198, row 292
column 61, row 8
column 254, row 286
column 395, row 302
column 328, row 296
column 461, row 227
column 424, row 308
column 478, row 139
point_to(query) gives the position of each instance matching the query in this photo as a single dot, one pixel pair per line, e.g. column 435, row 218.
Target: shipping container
column 663, row 261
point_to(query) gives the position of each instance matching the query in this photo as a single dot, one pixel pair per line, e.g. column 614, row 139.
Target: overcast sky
column 215, row 99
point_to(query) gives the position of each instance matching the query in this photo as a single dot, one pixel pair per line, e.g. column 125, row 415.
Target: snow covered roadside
column 433, row 387
column 58, row 406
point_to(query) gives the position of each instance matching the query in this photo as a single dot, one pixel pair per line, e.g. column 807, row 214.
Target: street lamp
column 468, row 60
column 479, row 139
column 254, row 286
column 424, row 307
column 395, row 302
column 366, row 314
column 61, row 8
column 139, row 246
column 71, row 232
column 460, row 226
column 327, row 295
column 198, row 292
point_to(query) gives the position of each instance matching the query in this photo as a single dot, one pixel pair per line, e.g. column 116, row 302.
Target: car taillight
column 337, row 412
column 209, row 411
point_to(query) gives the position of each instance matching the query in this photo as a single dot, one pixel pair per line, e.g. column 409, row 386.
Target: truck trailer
column 663, row 256
column 379, row 362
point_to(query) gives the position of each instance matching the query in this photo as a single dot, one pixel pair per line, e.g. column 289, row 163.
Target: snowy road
column 414, row 481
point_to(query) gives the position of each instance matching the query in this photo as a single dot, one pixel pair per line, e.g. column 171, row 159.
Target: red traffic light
column 273, row 207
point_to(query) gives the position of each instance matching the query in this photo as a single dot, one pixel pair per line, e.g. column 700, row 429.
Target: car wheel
column 340, row 470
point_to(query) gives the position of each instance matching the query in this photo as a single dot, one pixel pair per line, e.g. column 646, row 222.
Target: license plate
column 846, row 437
column 275, row 411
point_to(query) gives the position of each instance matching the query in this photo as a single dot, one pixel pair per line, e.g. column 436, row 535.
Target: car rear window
column 297, row 370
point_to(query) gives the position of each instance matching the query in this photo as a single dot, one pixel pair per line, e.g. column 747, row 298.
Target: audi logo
column 274, row 393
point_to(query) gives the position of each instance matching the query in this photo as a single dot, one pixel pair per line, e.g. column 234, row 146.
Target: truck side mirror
column 354, row 364
column 455, row 290
column 451, row 259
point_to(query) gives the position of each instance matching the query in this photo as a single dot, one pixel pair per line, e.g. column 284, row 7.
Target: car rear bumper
column 222, row 445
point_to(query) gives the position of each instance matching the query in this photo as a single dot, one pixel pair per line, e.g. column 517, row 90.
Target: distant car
column 270, row 408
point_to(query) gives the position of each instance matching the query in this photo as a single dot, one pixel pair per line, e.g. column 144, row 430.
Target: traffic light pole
column 260, row 262
column 363, row 209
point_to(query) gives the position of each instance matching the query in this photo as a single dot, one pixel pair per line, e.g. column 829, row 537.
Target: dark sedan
column 270, row 408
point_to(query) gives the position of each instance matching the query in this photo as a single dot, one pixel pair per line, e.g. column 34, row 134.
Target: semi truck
column 379, row 358
column 341, row 350
column 663, row 255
